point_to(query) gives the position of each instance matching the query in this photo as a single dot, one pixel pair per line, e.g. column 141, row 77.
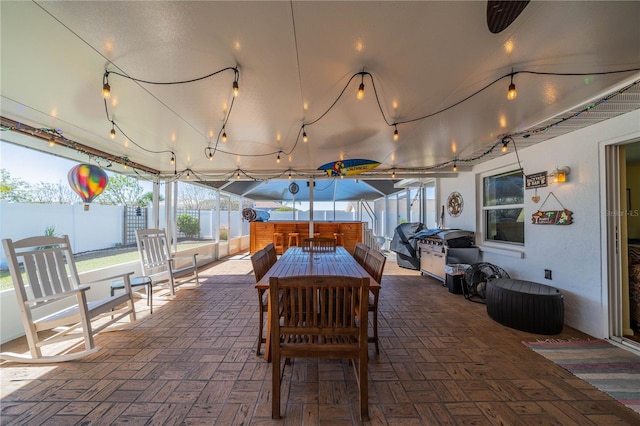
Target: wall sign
column 536, row 180
column 552, row 217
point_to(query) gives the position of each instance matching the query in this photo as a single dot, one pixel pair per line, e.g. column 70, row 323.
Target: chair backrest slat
column 154, row 251
column 374, row 264
column 260, row 263
column 360, row 253
column 320, row 308
column 271, row 253
column 46, row 264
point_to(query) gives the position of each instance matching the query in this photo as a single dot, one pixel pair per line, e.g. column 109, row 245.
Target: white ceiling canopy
column 431, row 70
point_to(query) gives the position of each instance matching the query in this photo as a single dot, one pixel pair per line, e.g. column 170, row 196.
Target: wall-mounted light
column 559, row 175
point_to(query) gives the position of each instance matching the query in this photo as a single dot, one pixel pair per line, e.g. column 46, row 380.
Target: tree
column 195, row 197
column 121, row 190
column 147, row 199
column 52, row 193
column 13, row 189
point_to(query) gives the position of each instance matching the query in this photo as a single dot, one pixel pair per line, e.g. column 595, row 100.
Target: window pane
column 505, row 225
column 504, row 189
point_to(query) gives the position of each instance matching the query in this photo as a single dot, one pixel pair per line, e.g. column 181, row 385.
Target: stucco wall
column 574, row 253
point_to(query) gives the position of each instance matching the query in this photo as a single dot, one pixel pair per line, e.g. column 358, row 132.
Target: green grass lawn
column 97, row 260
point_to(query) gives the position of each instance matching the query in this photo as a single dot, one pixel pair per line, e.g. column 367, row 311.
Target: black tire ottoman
column 525, row 305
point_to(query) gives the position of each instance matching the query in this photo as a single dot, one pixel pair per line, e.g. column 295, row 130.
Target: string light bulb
column 512, row 93
column 112, row 133
column 289, row 174
column 393, row 174
column 188, row 174
column 396, row 136
column 173, row 158
column 304, row 135
column 455, row 166
column 106, row 89
column 224, row 135
column 278, row 158
column 238, row 174
column 236, row 89
column 360, row 94
column 52, row 142
column 210, row 155
column 504, row 148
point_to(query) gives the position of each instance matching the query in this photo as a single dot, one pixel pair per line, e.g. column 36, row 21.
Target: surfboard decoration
column 348, row 167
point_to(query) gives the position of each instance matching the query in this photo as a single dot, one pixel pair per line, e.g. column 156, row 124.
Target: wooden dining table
column 296, row 262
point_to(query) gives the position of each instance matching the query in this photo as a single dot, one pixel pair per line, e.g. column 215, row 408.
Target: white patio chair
column 53, row 303
column 159, row 264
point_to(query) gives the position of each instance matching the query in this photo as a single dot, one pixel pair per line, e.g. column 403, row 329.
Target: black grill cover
column 406, row 246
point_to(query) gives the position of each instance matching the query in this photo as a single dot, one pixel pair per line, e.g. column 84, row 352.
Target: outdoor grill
column 454, row 238
column 444, row 247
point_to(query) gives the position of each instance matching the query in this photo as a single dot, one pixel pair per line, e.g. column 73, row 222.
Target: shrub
column 188, row 225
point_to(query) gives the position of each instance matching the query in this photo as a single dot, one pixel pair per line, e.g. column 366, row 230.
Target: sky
column 34, row 167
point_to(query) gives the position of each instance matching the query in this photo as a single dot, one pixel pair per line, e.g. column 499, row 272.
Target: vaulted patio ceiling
column 434, row 69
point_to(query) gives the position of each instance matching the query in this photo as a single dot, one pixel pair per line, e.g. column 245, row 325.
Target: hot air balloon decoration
column 88, row 181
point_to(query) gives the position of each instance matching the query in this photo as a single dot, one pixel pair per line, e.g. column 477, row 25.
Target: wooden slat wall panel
column 261, row 233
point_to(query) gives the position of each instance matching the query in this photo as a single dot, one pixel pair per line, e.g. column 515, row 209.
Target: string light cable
column 107, row 93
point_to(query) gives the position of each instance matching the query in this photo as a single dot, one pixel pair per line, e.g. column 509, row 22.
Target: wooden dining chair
column 261, row 264
column 322, row 317
column 319, row 244
column 271, row 253
column 360, row 253
column 374, row 265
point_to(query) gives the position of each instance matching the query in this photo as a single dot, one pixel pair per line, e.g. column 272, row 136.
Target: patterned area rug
column 609, row 368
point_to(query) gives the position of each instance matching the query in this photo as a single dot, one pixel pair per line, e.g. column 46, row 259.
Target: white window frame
column 484, row 209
